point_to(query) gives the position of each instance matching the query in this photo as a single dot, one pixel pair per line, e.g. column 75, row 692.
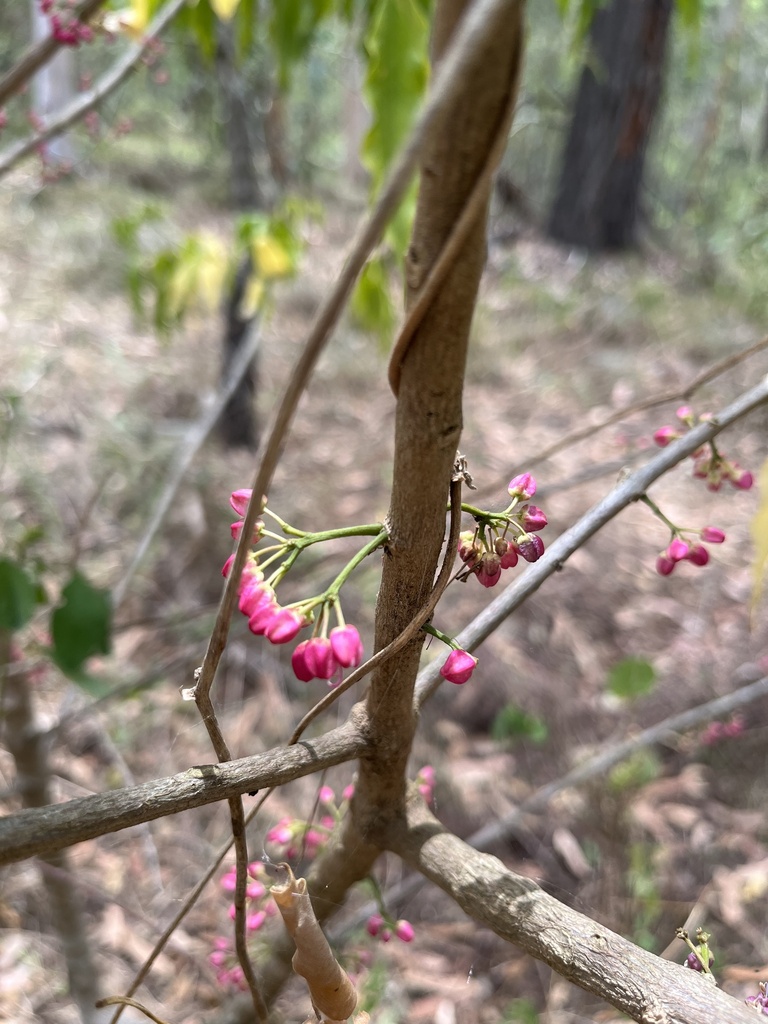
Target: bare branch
column 650, row 990
column 40, row 54
column 41, row 831
column 558, row 553
column 107, row 84
column 698, row 382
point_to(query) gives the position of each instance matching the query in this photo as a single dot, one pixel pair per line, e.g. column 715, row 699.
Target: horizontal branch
column 91, row 99
column 650, row 990
column 41, row 831
column 626, row 491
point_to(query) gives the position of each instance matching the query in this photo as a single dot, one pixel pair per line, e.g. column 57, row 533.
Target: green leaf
column 638, row 770
column 631, row 678
column 18, row 595
column 514, row 723
column 292, row 29
column 396, row 44
column 371, row 303
column 81, row 625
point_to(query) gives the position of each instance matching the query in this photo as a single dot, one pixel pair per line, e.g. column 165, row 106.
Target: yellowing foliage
column 225, row 9
column 270, row 258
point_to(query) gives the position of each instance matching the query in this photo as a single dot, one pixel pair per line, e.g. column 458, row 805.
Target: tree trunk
column 238, row 426
column 598, row 196
column 245, row 193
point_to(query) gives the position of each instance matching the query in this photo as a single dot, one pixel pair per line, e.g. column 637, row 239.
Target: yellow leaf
column 270, row 257
column 759, row 531
column 252, row 298
column 212, row 271
column 132, row 20
column 225, row 9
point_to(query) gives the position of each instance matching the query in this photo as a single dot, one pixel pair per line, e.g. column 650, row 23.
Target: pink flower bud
column 255, row 594
column 239, row 500
column 468, row 550
column 225, row 569
column 685, row 414
column 664, row 435
column 262, row 617
column 299, row 663
column 741, row 478
column 285, row 625
column 530, row 547
column 373, row 924
column 281, row 833
column 534, row 519
column 510, row 557
column 348, row 792
column 678, row 549
column 255, row 890
column 664, row 565
column 326, row 795
column 712, row 535
column 254, row 921
column 236, row 529
column 489, row 572
column 458, row 667
column 698, row 555
column 347, row 646
column 404, row 931
column 319, row 658
column 522, row 486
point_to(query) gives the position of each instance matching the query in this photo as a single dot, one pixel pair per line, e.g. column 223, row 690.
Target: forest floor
column 94, row 408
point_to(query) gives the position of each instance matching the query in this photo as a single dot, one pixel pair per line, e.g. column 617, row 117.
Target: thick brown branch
column 648, row 989
column 428, row 375
column 41, row 831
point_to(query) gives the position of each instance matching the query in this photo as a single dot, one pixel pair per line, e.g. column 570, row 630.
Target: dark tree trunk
column 238, row 426
column 598, row 196
column 245, row 193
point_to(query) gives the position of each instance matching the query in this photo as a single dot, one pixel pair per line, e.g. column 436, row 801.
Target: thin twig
column 106, row 85
column 650, row 403
column 39, row 54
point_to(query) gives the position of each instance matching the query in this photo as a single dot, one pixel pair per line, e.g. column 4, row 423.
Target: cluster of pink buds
column 680, row 550
column 381, row 926
column 490, row 548
column 296, row 838
column 425, row 780
column 259, row 907
column 709, row 464
column 322, row 656
column 66, row 28
column 715, row 732
column 759, row 1002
